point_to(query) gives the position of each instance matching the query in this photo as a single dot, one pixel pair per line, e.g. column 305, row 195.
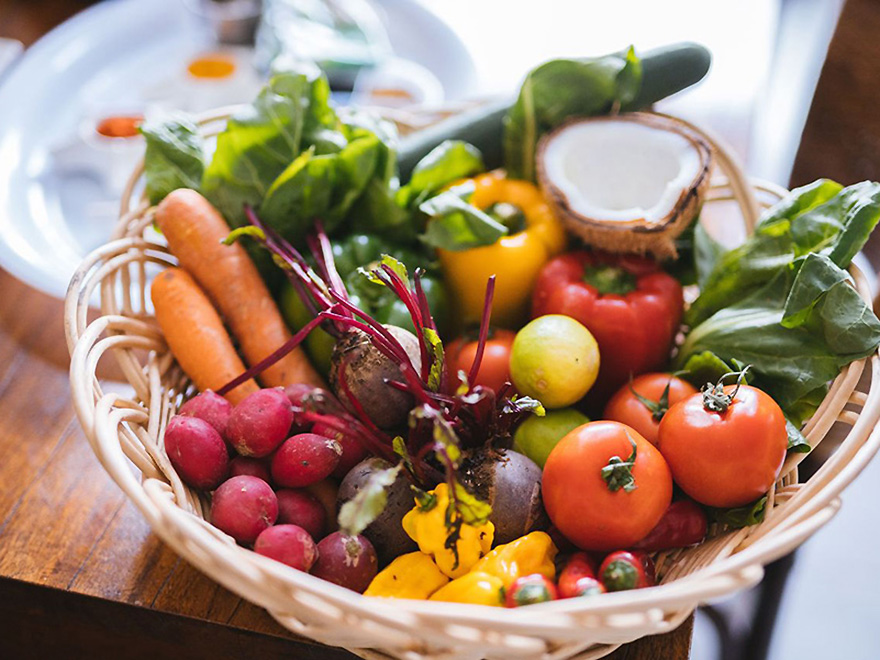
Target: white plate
column 109, row 59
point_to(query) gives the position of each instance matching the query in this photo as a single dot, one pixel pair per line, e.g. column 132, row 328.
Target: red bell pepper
column 630, row 305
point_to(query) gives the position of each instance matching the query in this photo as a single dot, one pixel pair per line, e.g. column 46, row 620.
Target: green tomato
column 537, row 436
column 554, row 359
column 319, row 344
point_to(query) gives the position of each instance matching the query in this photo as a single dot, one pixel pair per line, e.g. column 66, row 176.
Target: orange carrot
column 195, row 334
column 194, row 230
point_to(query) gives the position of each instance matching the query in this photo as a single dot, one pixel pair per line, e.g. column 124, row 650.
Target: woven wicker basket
column 128, row 429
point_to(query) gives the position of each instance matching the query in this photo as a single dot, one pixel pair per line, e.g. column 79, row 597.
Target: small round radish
column 349, row 561
column 252, row 467
column 196, row 451
column 288, row 544
column 298, row 507
column 304, row 459
column 260, row 423
column 210, row 407
column 353, row 451
column 325, row 492
column 243, row 507
column 297, row 392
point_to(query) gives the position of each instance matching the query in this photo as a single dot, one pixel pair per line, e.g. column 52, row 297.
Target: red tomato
column 596, row 504
column 494, row 367
column 725, row 459
column 626, row 408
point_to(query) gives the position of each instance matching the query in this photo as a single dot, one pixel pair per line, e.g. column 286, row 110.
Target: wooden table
column 81, row 574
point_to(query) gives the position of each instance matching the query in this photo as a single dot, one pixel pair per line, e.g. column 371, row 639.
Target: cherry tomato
column 605, row 486
column 494, row 367
column 726, row 457
column 644, row 415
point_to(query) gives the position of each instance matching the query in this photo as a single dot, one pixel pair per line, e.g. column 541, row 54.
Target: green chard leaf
column 564, row 88
column 744, row 516
column 821, row 217
column 797, row 443
column 787, row 307
column 174, row 155
column 437, row 362
column 454, row 224
column 448, row 162
column 260, row 141
column 369, row 502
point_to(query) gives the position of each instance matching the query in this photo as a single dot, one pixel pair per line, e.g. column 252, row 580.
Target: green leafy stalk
column 174, row 155
column 560, row 89
column 744, row 516
column 369, row 502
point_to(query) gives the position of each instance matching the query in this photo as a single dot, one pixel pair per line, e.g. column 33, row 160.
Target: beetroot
column 299, row 507
column 288, row 544
column 210, row 407
column 304, row 459
column 349, row 561
column 243, row 507
column 197, row 452
column 252, row 467
column 260, row 423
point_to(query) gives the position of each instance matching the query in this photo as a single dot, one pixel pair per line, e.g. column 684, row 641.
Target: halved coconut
column 626, row 183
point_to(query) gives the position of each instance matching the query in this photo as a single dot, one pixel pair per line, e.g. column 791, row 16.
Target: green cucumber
column 665, row 71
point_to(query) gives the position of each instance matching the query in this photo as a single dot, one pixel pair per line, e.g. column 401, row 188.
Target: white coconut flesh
column 621, row 171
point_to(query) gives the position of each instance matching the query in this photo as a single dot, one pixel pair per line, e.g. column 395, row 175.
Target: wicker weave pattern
column 128, row 430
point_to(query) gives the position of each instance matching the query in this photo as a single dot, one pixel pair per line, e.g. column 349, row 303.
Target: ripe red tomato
column 626, row 408
column 605, row 487
column 725, row 459
column 494, row 367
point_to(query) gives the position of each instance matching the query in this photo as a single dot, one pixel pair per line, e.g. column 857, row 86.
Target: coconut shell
column 634, row 237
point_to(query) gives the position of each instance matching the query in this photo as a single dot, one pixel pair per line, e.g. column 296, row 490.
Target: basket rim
column 104, row 416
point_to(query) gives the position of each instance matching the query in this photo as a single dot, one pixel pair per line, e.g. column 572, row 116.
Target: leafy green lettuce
column 560, row 89
column 783, row 303
column 174, row 156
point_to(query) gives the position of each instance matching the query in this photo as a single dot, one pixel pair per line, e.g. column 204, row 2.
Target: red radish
column 349, row 561
column 196, row 451
column 353, row 451
column 304, row 459
column 260, row 423
column 288, row 544
column 252, row 467
column 325, row 492
column 298, row 507
column 243, row 507
column 210, row 407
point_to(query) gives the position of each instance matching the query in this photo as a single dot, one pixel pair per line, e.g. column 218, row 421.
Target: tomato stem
column 659, row 407
column 618, row 473
column 714, row 397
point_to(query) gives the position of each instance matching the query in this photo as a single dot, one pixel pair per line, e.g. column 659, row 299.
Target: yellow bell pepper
column 428, row 529
column 515, row 259
column 474, row 588
column 414, row 576
column 529, row 554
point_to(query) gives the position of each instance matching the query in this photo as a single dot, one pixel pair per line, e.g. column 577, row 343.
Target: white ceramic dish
column 56, row 204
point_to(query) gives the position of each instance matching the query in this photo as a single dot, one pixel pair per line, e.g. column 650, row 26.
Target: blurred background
column 793, row 88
